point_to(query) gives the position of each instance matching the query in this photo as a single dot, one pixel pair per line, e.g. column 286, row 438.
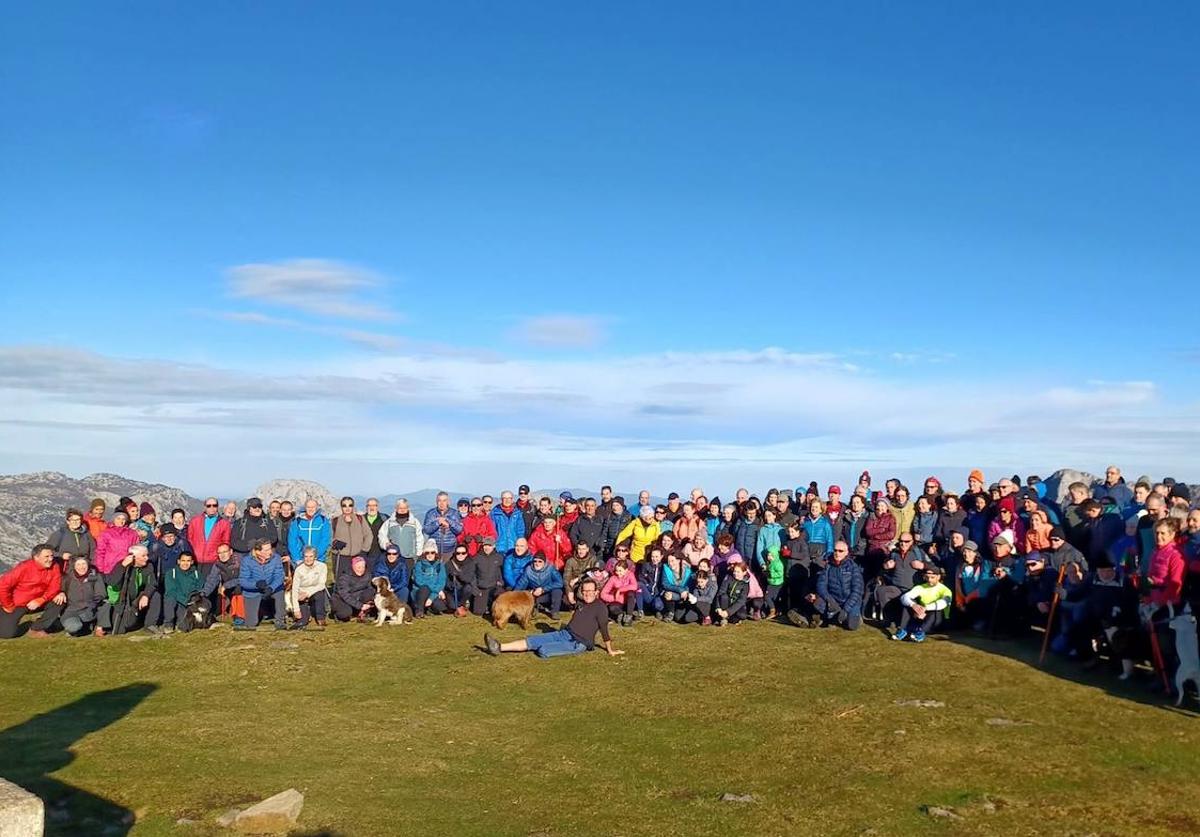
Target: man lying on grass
column 590, row 618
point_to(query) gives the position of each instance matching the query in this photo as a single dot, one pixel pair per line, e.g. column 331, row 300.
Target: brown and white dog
column 388, row 605
column 518, row 603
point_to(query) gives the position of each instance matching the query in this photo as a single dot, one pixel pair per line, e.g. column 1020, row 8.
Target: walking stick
column 1050, row 616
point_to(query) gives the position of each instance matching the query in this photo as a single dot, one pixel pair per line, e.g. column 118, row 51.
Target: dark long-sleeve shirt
column 587, row 621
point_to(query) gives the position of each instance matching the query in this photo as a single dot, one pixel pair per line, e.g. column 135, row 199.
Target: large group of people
column 1102, row 573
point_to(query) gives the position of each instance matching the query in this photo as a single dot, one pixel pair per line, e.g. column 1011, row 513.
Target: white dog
column 1184, row 626
column 388, row 605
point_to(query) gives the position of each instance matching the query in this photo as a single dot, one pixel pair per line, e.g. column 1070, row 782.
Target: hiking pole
column 1050, row 616
column 1156, row 656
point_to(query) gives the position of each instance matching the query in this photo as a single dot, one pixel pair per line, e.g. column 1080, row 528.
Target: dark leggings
column 932, row 619
column 10, row 621
column 418, row 602
column 615, row 610
column 688, row 613
column 314, row 606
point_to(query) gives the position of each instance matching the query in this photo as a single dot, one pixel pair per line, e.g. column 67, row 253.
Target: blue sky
column 409, row 244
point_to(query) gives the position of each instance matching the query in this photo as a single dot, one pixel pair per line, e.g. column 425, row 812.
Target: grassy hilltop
column 413, row 730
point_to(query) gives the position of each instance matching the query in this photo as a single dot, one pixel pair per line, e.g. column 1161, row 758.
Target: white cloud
column 318, row 286
column 769, row 414
column 563, row 331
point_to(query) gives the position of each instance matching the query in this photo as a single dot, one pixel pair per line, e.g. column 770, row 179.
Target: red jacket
column 555, row 545
column 206, row 550
column 26, row 582
column 478, row 525
column 96, row 526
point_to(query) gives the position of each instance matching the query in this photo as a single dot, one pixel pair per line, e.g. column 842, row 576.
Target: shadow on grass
column 1027, row 649
column 42, row 745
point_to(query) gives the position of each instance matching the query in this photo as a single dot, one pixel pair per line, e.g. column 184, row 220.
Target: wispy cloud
column 317, row 286
column 369, row 339
column 564, row 331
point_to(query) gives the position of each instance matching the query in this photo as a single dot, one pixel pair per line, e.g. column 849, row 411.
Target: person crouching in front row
column 261, row 577
column 308, row 598
column 429, row 582
column 927, row 603
column 353, row 593
column 620, row 593
column 545, row 582
column 733, row 596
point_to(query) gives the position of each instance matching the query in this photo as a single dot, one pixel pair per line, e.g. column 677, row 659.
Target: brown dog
column 518, row 603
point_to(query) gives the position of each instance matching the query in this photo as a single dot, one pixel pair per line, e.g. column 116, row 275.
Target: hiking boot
column 797, row 619
column 460, row 612
column 900, row 635
column 298, row 626
column 492, row 644
column 707, row 620
column 663, row 617
column 244, row 627
column 281, row 626
column 153, row 630
column 237, row 620
column 722, row 622
column 755, row 616
column 167, row 629
column 918, row 636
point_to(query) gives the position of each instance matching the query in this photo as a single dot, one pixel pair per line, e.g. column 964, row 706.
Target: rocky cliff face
column 33, row 505
column 298, row 491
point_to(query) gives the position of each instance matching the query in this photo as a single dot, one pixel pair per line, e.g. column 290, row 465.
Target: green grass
column 413, row 730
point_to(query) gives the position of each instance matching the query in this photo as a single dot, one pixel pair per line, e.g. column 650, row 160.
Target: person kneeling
column 840, row 590
column 696, row 604
column 589, row 619
column 261, row 577
column 927, row 603
column 84, row 588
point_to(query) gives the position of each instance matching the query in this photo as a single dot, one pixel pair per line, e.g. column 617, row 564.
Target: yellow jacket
column 643, row 536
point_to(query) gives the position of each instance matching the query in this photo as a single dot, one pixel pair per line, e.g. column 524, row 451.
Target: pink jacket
column 113, row 546
column 1167, row 568
column 695, row 556
column 616, row 589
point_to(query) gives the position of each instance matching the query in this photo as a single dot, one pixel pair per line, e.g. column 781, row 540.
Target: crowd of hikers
column 1103, row 573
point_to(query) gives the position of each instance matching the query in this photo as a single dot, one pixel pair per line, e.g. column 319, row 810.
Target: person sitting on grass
column 224, row 579
column 261, row 577
column 429, row 582
column 582, row 563
column 676, row 578
column 353, row 592
column 84, row 589
column 696, row 605
column 179, row 583
column 620, row 593
column 31, row 586
column 733, row 596
column 840, row 589
column 515, row 563
column 589, row 619
column 928, row 603
column 308, row 598
column 545, row 582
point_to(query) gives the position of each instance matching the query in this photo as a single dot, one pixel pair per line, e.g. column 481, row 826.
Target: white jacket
column 307, row 580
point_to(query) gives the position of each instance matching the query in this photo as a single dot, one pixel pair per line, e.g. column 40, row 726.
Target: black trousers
column 10, row 622
column 343, row 610
column 687, row 613
column 615, row 610
column 315, row 606
column 481, row 600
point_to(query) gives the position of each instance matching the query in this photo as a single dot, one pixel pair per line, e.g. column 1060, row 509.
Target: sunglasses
column 477, row 505
column 210, row 505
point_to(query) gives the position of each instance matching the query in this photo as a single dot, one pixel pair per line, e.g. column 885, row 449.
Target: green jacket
column 180, row 584
column 774, row 569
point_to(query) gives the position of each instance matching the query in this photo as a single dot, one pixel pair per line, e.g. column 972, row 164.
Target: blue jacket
column 745, row 538
column 923, row 526
column 842, row 583
column 445, row 540
column 253, row 572
column 548, row 579
column 430, row 574
column 819, row 531
column 712, row 525
column 509, row 527
column 304, row 532
column 672, row 584
column 768, row 540
column 514, row 565
column 396, row 574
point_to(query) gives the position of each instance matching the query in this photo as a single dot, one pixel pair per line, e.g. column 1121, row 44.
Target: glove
column 264, row 588
column 339, row 545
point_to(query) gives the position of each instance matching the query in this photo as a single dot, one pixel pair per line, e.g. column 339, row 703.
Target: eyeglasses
column 460, row 552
